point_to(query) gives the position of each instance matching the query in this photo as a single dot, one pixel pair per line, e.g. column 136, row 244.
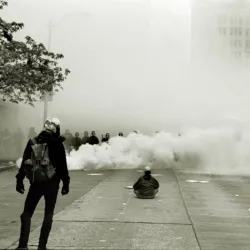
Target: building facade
column 220, row 30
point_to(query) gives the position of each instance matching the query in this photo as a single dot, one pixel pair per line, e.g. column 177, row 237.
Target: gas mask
column 51, row 124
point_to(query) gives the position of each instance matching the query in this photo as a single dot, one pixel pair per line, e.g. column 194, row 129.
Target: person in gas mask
column 44, row 164
column 85, row 138
column 93, row 140
column 106, row 138
column 77, row 142
column 146, row 186
column 68, row 142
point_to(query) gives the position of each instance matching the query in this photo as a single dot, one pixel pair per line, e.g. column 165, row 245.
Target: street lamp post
column 45, row 114
column 51, row 25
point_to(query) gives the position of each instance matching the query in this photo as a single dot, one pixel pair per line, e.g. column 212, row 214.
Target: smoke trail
column 214, row 151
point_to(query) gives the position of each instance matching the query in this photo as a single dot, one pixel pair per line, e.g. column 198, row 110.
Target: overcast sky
column 129, row 61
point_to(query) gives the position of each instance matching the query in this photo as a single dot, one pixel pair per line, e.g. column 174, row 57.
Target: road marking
column 195, row 181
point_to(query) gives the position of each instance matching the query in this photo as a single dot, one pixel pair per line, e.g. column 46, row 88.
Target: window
column 248, row 44
column 231, row 31
column 240, row 31
column 225, row 20
column 231, row 20
column 235, row 31
column 247, row 32
column 240, row 20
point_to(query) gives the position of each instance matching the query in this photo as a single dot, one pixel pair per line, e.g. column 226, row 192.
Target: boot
column 21, row 248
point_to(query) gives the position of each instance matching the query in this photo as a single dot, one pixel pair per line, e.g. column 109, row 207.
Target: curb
column 2, row 169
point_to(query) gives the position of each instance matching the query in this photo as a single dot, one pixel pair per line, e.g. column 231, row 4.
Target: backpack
column 41, row 169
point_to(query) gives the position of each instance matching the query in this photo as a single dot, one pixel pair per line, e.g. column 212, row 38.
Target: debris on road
column 129, row 187
column 195, row 181
column 95, row 174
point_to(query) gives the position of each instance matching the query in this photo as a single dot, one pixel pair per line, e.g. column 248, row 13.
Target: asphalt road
column 99, row 213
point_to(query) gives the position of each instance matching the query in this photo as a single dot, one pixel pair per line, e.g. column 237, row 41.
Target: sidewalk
column 5, row 165
column 11, row 202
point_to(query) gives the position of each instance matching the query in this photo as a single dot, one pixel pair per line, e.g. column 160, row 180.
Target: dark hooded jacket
column 146, row 185
column 85, row 140
column 57, row 155
column 93, row 140
column 77, row 142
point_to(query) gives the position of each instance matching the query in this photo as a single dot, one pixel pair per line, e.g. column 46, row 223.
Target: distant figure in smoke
column 18, row 142
column 146, row 186
column 85, row 138
column 32, row 133
column 120, row 134
column 7, row 142
column 69, row 140
column 44, row 164
column 106, row 138
column 93, row 140
column 77, row 142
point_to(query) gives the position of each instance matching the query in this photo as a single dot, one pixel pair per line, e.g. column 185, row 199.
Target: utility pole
column 45, row 114
column 50, row 27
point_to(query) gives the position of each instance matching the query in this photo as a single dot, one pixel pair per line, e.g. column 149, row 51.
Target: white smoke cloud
column 213, row 151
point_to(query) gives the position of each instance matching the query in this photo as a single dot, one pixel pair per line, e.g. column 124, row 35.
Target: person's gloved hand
column 28, row 162
column 20, row 187
column 65, row 188
column 62, row 138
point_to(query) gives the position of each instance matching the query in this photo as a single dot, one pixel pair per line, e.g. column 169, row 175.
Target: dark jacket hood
column 49, row 137
column 147, row 177
column 45, row 137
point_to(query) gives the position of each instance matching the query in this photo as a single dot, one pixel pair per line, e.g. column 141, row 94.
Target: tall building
column 220, row 30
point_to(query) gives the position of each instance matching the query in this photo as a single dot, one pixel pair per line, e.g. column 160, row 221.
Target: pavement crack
column 125, row 222
column 184, row 204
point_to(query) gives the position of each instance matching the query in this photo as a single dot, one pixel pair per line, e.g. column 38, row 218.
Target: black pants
column 142, row 196
column 50, row 191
